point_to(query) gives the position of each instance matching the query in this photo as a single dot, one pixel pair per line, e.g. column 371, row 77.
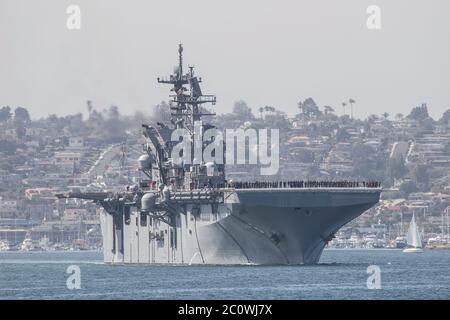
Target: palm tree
column 351, row 101
column 89, row 106
column 385, row 115
column 343, row 106
column 300, row 106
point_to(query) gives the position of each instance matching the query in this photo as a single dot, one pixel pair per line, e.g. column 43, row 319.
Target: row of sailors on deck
column 279, row 184
column 301, row 184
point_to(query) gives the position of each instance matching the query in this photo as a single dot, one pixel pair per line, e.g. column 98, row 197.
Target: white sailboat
column 413, row 238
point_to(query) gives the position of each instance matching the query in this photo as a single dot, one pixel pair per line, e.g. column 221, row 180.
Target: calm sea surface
column 341, row 274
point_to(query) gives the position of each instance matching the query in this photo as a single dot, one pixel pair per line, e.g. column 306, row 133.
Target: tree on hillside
column 372, row 118
column 76, row 125
column 277, row 120
column 328, row 110
column 420, row 174
column 310, row 108
column 427, row 124
column 161, row 112
column 364, row 160
column 21, row 115
column 408, row 187
column 112, row 129
column 89, row 106
column 344, row 104
column 300, row 106
column 419, row 113
column 445, row 119
column 351, row 102
column 395, row 168
column 270, row 110
column 21, row 131
column 342, row 135
column 8, row 147
column 243, row 112
column 5, row 114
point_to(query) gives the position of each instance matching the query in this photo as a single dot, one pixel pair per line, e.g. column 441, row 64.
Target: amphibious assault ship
column 190, row 214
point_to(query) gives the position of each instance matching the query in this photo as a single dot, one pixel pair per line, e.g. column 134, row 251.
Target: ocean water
column 341, row 274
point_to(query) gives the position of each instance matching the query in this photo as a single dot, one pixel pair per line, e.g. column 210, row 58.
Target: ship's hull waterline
column 252, row 226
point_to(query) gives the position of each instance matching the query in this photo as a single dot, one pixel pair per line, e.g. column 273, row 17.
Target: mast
column 186, row 101
column 180, row 60
column 187, row 97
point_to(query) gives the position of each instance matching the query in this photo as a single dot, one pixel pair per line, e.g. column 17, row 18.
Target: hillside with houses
column 409, row 154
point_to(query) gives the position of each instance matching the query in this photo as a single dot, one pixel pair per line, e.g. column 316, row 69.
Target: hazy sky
column 264, row 52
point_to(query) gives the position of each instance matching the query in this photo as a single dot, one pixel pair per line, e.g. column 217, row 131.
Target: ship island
column 189, row 213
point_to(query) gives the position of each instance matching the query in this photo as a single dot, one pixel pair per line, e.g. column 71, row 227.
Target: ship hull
column 251, row 226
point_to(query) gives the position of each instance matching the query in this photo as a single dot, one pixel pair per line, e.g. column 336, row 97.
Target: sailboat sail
column 413, row 237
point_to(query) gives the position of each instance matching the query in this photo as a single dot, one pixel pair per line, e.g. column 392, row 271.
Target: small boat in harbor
column 413, row 238
column 4, row 245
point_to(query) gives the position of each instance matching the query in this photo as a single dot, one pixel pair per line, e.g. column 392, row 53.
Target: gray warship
column 190, row 213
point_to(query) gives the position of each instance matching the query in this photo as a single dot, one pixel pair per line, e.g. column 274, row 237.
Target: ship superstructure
column 188, row 213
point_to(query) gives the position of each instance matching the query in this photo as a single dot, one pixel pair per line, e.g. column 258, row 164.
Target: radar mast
column 187, row 97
